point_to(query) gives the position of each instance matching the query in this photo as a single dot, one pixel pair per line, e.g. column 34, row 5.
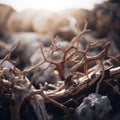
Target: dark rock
column 114, row 1
column 115, row 116
column 114, row 38
column 105, row 17
column 93, row 107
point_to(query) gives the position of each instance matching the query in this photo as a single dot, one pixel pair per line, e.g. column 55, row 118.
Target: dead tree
column 72, row 59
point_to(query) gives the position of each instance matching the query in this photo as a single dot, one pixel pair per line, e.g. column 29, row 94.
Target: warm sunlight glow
column 56, row 72
column 53, row 5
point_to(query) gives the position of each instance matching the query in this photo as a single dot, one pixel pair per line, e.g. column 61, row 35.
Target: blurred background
column 31, row 22
column 52, row 5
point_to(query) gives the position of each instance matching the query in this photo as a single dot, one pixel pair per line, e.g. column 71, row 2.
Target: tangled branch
column 72, row 60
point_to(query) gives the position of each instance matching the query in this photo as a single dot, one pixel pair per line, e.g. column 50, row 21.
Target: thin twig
column 102, row 76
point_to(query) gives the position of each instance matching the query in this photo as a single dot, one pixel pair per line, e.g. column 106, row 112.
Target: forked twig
column 7, row 57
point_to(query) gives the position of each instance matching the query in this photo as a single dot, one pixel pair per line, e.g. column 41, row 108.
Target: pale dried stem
column 102, row 76
column 7, row 57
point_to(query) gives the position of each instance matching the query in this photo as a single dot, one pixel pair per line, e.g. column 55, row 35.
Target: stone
column 93, row 107
column 21, row 21
column 105, row 17
column 5, row 13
